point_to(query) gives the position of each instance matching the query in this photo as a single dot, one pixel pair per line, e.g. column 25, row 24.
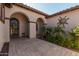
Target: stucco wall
column 32, row 17
column 72, row 22
column 30, row 14
column 2, row 39
column 6, row 31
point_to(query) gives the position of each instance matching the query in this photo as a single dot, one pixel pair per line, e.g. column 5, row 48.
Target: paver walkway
column 37, row 47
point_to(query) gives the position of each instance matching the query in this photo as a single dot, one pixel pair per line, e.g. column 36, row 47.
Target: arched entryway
column 39, row 26
column 19, row 25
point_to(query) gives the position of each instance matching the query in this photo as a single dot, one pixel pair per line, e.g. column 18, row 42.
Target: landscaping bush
column 59, row 36
column 75, row 36
column 54, row 35
column 68, row 42
column 51, row 39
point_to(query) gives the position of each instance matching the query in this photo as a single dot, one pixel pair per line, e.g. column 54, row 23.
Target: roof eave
column 64, row 11
column 31, row 9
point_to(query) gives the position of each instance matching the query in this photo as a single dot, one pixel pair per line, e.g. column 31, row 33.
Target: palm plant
column 62, row 21
column 59, row 31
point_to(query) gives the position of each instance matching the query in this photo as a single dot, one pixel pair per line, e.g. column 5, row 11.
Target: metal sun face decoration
column 62, row 21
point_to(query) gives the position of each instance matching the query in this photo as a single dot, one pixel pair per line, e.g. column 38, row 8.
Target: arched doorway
column 39, row 26
column 19, row 25
column 14, row 28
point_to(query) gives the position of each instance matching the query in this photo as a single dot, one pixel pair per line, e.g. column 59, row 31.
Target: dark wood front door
column 14, row 28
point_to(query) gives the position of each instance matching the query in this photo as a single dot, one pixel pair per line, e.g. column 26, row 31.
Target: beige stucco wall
column 72, row 22
column 32, row 17
column 2, row 39
column 5, row 28
column 30, row 14
column 6, row 31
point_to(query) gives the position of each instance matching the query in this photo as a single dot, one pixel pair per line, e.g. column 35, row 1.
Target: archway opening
column 19, row 25
column 39, row 26
column 14, row 27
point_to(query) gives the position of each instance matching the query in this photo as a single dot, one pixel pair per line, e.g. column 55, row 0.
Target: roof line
column 64, row 11
column 45, row 14
column 31, row 9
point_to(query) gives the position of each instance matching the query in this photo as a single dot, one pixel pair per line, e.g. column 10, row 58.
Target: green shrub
column 75, row 37
column 76, row 30
column 76, row 44
column 58, row 35
column 55, row 35
column 68, row 42
column 51, row 39
column 72, row 35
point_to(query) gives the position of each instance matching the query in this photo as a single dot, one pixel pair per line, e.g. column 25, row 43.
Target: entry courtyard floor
column 37, row 47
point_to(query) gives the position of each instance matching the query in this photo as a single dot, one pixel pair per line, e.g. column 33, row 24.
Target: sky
column 51, row 8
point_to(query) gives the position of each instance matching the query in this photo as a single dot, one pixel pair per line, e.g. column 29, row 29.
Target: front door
column 14, row 28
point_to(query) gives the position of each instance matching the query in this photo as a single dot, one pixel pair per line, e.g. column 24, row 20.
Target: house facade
column 19, row 20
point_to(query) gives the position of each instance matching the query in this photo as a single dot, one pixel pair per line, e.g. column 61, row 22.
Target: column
column 2, row 40
column 32, row 29
column 7, row 30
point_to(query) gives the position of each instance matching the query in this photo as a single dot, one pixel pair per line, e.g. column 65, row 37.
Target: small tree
column 59, row 30
column 61, row 24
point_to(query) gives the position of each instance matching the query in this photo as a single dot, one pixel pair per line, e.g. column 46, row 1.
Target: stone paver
column 37, row 47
